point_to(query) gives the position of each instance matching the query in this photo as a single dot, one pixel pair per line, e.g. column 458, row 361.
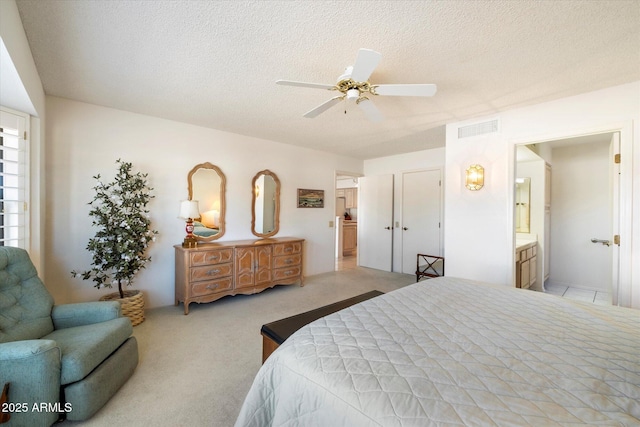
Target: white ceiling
column 215, row 63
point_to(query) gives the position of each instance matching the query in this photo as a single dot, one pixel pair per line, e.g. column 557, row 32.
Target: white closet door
column 375, row 222
column 421, row 201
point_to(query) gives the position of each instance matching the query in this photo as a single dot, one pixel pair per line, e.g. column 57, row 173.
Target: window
column 13, row 179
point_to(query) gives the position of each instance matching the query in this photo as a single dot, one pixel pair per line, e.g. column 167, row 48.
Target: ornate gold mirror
column 207, row 185
column 265, row 204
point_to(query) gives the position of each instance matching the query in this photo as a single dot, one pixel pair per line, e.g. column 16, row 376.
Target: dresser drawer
column 287, row 248
column 211, row 257
column 286, row 261
column 211, row 287
column 209, row 272
column 286, row 273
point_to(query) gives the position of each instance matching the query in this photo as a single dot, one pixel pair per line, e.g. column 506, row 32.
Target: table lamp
column 188, row 211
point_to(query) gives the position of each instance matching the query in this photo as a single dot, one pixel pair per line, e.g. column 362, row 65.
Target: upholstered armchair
column 59, row 361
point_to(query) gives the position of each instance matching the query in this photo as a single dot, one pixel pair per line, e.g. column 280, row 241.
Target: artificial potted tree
column 119, row 247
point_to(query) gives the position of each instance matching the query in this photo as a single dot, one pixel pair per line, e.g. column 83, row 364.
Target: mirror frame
column 276, row 218
column 223, row 184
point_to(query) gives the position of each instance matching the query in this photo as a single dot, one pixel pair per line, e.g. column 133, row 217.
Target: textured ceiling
column 215, row 63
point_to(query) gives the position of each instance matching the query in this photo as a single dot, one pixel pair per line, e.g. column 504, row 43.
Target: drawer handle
column 212, row 287
column 289, row 261
column 289, row 249
column 211, row 258
column 288, row 273
column 212, row 272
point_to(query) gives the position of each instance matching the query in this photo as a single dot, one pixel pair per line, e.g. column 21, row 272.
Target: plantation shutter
column 13, row 179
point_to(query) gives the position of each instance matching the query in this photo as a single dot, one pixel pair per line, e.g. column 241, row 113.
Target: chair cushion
column 25, row 304
column 85, row 347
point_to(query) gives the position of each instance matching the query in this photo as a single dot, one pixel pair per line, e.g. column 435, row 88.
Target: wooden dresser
column 211, row 271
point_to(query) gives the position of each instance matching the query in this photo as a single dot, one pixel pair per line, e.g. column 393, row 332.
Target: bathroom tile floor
column 596, row 297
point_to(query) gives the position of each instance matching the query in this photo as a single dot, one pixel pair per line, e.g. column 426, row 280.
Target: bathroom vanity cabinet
column 526, row 265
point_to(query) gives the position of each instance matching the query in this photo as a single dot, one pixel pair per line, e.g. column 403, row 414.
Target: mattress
column 455, row 352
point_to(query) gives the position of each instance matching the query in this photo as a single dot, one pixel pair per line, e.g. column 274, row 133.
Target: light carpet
column 196, row 370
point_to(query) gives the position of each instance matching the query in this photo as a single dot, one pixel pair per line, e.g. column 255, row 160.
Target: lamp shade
column 189, row 209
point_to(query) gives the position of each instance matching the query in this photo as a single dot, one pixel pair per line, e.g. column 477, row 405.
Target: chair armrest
column 25, row 350
column 84, row 313
column 32, row 367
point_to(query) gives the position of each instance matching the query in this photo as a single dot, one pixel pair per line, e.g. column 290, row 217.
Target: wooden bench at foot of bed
column 275, row 333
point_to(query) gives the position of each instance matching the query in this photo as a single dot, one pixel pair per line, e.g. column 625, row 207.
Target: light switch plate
column 330, row 224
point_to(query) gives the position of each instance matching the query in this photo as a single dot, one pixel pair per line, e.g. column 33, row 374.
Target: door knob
column 405, row 228
column 387, row 228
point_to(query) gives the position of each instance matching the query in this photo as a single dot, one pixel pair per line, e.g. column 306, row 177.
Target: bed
column 199, row 229
column 449, row 351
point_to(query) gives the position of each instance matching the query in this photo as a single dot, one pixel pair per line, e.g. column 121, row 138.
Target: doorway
column 576, row 244
column 346, row 220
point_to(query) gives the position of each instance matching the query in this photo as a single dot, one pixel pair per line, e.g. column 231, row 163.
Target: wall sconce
column 188, row 211
column 474, row 178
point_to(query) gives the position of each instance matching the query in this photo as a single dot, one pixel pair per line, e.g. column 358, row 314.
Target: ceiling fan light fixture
column 353, row 94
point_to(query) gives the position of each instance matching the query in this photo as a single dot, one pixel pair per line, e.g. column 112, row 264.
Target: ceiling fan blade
column 370, row 110
column 406, row 90
column 323, row 107
column 304, row 84
column 366, row 61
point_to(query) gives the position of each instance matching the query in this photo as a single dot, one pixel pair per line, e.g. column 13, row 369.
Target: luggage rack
column 429, row 266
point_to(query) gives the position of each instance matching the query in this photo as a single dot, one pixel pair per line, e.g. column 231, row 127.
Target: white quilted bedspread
column 453, row 352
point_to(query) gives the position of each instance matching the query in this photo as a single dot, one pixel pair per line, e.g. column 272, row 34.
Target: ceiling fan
column 354, row 86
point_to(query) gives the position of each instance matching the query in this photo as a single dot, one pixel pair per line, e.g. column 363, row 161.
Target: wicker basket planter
column 132, row 305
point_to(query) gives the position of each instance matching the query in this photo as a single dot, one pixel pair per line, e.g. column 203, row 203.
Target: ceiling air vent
column 478, row 129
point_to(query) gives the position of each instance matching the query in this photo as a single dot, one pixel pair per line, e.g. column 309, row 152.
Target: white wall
column 84, row 140
column 487, row 215
column 396, row 166
column 346, row 183
column 478, row 225
column 15, row 41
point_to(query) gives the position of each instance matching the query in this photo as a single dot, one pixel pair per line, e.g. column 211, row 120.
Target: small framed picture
column 310, row 198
